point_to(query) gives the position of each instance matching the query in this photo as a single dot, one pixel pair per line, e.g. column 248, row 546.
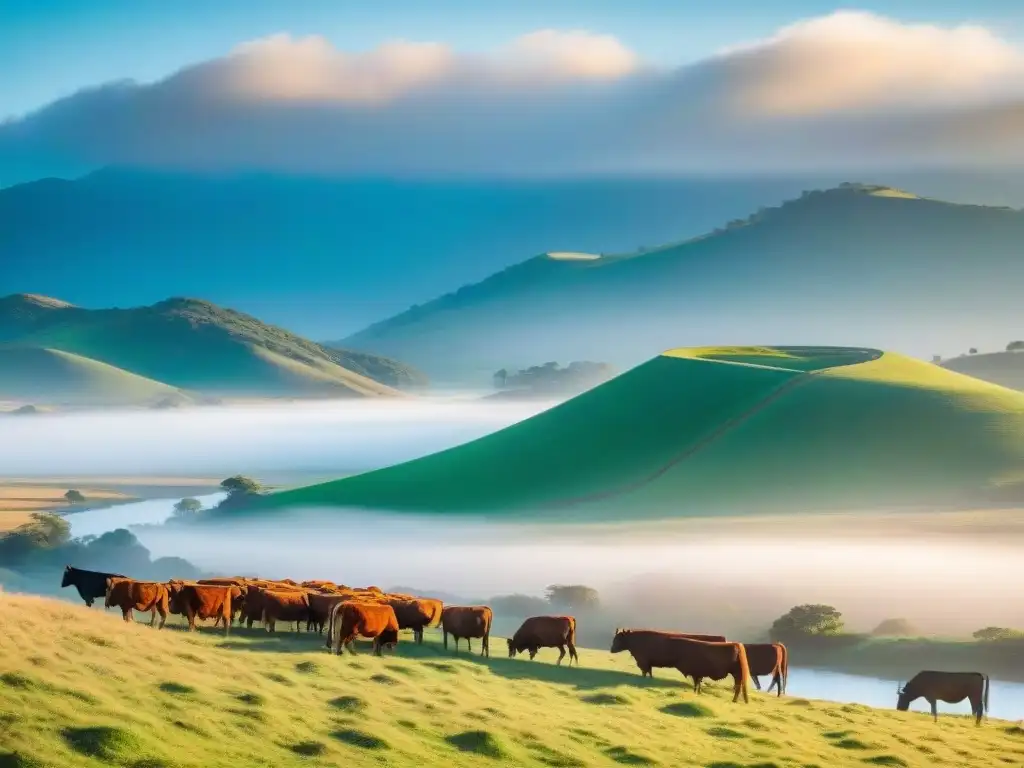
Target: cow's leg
column 418, row 633
column 126, row 614
column 561, row 655
column 469, row 644
column 573, row 655
column 977, row 707
column 163, row 615
column 935, row 709
column 376, row 646
column 757, row 682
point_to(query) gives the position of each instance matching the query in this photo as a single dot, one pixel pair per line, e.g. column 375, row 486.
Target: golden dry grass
column 80, row 688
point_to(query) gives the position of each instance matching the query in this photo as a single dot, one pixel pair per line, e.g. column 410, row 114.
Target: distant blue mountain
column 856, row 265
column 326, row 257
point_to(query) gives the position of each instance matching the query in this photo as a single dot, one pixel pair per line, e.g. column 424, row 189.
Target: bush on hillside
column 240, row 490
column 1015, row 346
column 995, row 634
column 895, row 628
column 74, row 497
column 810, row 620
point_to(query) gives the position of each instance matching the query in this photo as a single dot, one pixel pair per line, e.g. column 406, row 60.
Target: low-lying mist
column 702, row 581
column 338, row 436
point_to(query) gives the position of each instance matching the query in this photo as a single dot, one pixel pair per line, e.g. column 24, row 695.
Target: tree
column 572, row 597
column 74, row 497
column 188, row 507
column 1015, row 346
column 239, row 484
column 993, row 634
column 519, row 605
column 895, row 628
column 807, row 620
column 972, row 351
column 500, row 378
column 936, row 359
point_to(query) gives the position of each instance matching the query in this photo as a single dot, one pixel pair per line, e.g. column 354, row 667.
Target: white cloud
column 846, row 91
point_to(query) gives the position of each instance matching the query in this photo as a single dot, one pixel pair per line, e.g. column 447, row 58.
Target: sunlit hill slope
column 49, row 375
column 723, row 431
column 196, row 345
column 79, row 689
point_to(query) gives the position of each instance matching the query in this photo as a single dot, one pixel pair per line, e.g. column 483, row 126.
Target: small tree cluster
column 572, row 597
column 993, row 634
column 807, row 621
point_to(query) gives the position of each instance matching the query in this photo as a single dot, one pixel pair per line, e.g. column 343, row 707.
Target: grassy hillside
column 723, row 431
column 51, row 376
column 813, row 263
column 197, row 345
column 80, row 688
column 1004, row 368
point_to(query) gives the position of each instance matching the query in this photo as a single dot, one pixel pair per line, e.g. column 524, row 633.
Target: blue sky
column 51, row 49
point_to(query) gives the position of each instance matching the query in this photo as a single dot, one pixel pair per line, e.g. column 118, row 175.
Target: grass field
column 18, row 501
column 37, row 375
column 80, row 688
column 723, row 431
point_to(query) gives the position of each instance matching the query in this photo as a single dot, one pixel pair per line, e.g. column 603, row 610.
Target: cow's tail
column 984, row 700
column 743, row 683
column 572, row 639
column 785, row 667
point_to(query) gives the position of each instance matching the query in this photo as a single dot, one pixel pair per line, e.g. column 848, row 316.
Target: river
column 94, row 522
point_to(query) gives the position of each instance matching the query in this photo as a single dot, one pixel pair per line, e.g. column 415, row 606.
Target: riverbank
column 20, row 497
column 898, row 659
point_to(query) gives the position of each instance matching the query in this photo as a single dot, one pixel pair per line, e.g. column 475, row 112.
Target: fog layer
column 323, row 436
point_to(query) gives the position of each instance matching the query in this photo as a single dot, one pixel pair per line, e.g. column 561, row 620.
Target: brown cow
column 768, row 659
column 545, row 632
column 204, row 601
column 129, row 595
column 950, row 687
column 652, row 645
column 358, row 618
column 696, row 659
column 416, row 613
column 468, row 621
column 284, row 606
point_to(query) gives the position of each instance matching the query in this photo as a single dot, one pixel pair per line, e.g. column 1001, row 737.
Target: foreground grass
column 79, row 688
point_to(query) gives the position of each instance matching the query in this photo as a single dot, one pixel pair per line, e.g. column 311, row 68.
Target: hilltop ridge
column 182, row 343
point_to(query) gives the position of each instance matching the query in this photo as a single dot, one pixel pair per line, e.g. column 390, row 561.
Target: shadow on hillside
column 432, row 652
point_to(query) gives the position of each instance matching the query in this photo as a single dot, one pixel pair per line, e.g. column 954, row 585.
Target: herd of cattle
column 370, row 613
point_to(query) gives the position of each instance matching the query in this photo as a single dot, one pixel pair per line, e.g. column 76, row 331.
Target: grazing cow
column 284, row 606
column 651, row 648
column 129, row 595
column 204, row 601
column 416, row 613
column 361, row 619
column 91, row 585
column 545, row 632
column 696, row 659
column 468, row 621
column 950, row 687
column 768, row 659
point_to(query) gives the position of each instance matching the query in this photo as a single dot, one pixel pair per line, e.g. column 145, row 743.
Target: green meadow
column 81, row 688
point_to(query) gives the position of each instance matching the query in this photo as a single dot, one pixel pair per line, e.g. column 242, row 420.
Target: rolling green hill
column 199, row 346
column 52, row 376
column 1003, row 368
column 80, row 688
column 857, row 264
column 723, row 431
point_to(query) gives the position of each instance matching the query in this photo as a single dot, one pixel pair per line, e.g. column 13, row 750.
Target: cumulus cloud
column 845, row 91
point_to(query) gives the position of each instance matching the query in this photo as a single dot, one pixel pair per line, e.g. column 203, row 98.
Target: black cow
column 951, row 687
column 91, row 585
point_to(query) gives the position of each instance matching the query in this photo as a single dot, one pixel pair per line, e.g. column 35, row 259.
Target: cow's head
column 512, row 650
column 68, row 579
column 620, row 641
column 903, row 700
